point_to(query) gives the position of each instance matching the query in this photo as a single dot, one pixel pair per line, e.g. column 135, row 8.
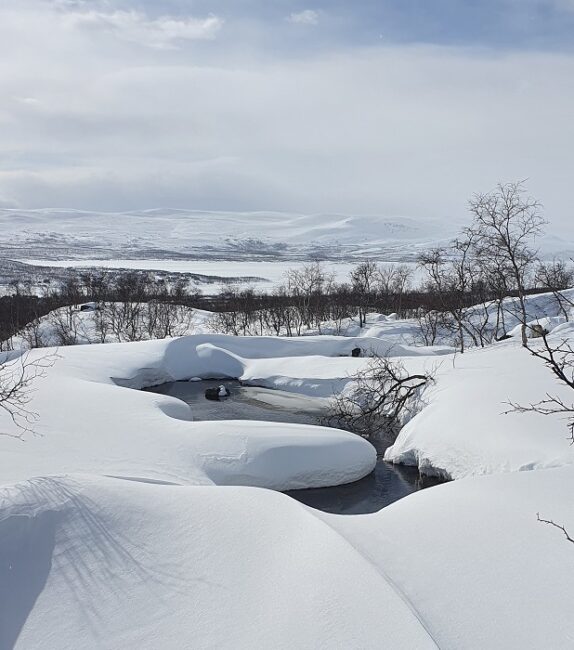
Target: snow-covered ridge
column 55, row 234
column 188, row 234
column 171, row 567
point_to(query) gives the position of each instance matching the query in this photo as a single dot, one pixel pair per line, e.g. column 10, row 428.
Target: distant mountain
column 188, row 234
column 54, row 234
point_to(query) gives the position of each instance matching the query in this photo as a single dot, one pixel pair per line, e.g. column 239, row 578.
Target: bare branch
column 555, row 525
column 380, row 393
column 17, row 378
column 559, row 359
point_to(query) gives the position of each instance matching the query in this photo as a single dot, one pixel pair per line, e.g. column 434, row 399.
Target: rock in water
column 212, row 394
column 217, row 393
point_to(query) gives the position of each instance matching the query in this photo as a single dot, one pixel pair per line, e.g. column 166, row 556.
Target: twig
column 551, row 523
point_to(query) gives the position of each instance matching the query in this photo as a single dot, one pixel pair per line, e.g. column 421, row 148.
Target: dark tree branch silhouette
column 555, row 525
column 380, row 393
column 559, row 359
column 17, row 377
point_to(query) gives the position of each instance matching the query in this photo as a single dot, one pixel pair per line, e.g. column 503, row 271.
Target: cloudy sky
column 373, row 106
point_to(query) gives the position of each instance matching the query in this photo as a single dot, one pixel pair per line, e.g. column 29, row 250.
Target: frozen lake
column 385, row 485
column 268, row 272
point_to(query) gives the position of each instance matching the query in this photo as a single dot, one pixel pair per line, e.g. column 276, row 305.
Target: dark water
column 384, row 485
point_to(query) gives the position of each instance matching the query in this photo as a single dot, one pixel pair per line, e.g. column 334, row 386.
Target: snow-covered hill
column 52, row 234
column 213, row 248
column 188, row 234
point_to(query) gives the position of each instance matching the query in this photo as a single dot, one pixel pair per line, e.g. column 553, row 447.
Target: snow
column 98, row 562
column 465, row 428
column 203, row 235
column 473, row 561
column 210, row 235
column 231, row 245
column 132, row 565
column 223, row 392
column 262, row 275
column 106, row 428
column 125, row 524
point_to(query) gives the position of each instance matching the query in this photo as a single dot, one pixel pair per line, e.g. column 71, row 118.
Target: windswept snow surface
column 93, row 562
column 124, row 524
column 192, row 234
column 179, row 567
column 202, row 235
column 248, row 248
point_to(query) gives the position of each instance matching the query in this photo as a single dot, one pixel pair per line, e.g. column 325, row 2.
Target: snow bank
column 474, row 563
column 90, row 421
column 93, row 562
column 122, row 564
column 465, row 429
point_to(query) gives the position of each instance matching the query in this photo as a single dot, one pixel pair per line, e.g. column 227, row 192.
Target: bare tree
column 394, row 280
column 33, row 334
column 380, row 393
column 456, row 280
column 549, row 522
column 363, row 279
column 430, row 322
column 309, row 287
column 506, row 223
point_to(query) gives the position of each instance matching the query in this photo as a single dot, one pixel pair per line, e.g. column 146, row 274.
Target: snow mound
column 98, row 563
column 475, row 563
column 468, row 427
column 108, row 429
column 93, row 562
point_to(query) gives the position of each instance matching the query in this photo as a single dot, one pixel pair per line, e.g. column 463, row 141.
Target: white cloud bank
column 136, row 27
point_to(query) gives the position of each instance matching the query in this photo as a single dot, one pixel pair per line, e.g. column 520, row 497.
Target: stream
column 386, row 484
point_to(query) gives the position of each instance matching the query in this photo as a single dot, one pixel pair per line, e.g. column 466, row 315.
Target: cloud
column 95, row 122
column 136, row 27
column 306, row 17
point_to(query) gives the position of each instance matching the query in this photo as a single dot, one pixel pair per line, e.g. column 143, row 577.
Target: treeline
column 128, row 306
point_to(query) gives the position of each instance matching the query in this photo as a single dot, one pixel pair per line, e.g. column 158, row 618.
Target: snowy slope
column 465, row 430
column 118, row 564
column 92, row 563
column 124, row 524
column 188, row 234
column 195, row 235
column 473, row 561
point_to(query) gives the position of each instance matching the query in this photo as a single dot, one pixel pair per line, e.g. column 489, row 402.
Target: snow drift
column 124, row 523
